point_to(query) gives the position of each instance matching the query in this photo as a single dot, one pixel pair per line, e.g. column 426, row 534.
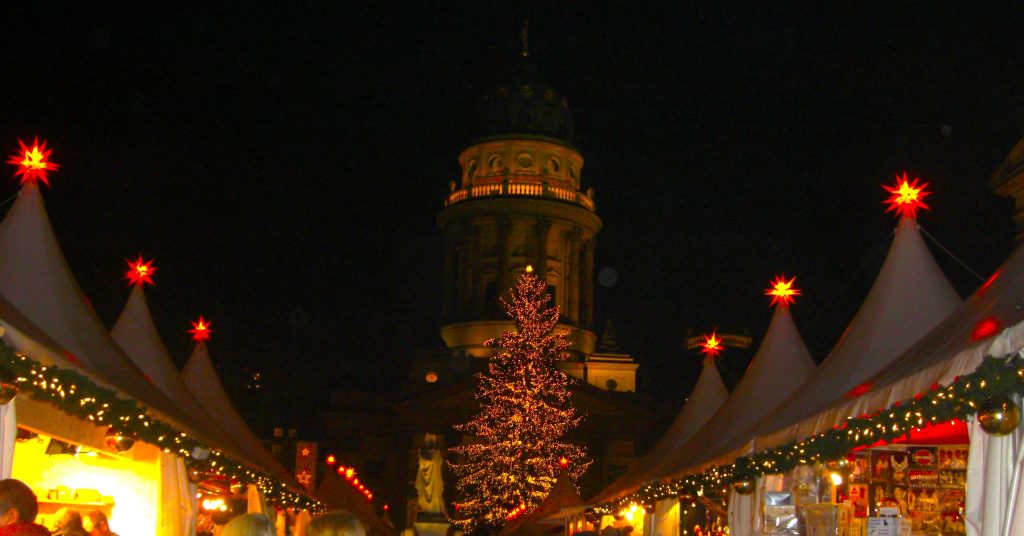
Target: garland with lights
column 75, row 394
column 985, row 392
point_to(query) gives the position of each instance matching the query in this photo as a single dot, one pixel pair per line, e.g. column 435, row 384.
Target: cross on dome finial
column 782, row 291
column 906, row 197
column 140, row 273
column 524, row 37
column 33, row 163
column 200, row 330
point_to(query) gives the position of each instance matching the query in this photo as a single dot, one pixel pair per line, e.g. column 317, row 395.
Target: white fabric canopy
column 35, row 278
column 177, row 497
column 706, row 397
column 202, row 381
column 782, row 363
column 136, row 333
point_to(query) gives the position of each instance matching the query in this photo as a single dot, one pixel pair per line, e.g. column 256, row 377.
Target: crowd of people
column 19, row 507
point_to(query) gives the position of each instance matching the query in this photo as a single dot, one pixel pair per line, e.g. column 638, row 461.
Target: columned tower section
column 518, row 202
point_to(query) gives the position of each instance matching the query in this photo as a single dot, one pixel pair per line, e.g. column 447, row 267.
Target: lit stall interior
column 64, row 474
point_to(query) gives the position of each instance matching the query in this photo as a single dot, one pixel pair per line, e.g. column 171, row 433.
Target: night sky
column 284, row 165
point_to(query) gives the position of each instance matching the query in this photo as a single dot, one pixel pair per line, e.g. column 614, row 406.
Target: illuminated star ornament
column 906, row 197
column 33, row 163
column 200, row 330
column 782, row 291
column 712, row 345
column 140, row 273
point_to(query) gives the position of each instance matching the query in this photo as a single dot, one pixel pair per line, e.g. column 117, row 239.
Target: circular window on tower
column 524, row 161
column 431, row 377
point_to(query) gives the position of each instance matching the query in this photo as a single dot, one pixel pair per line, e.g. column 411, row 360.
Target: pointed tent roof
column 946, row 352
column 782, row 363
column 35, row 278
column 340, row 495
column 909, row 297
column 562, row 495
column 204, row 384
column 705, row 399
column 136, row 333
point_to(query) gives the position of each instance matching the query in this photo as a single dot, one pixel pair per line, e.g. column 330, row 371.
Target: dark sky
column 284, row 164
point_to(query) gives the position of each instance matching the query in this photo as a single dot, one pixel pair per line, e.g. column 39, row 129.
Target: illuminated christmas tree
column 524, row 413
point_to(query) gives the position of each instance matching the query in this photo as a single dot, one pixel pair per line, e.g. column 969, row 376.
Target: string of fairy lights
column 987, row 393
column 75, row 394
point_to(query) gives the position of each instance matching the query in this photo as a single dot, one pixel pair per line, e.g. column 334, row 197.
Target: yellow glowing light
column 837, row 479
column 529, row 268
column 712, row 345
column 782, row 291
column 906, row 197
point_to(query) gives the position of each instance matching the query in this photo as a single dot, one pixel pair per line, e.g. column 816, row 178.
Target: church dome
column 524, row 105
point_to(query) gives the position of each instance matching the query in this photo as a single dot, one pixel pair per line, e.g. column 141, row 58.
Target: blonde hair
column 252, row 524
column 335, row 523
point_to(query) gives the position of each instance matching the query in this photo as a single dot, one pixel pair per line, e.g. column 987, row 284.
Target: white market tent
column 35, row 278
column 782, row 363
column 136, row 333
column 707, row 396
column 909, row 297
column 204, row 384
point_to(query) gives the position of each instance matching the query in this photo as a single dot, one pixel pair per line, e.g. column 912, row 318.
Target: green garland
column 959, row 400
column 75, row 394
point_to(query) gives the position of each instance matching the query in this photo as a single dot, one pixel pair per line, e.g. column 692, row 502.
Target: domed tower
column 518, row 202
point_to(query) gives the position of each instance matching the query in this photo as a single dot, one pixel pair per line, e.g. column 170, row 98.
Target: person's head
column 97, row 522
column 249, row 525
column 17, row 502
column 68, row 519
column 335, row 523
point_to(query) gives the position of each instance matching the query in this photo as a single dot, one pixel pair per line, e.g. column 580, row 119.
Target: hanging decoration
column 140, row 273
column 782, row 291
column 906, row 197
column 985, row 392
column 33, row 162
column 743, row 487
column 8, row 385
column 119, row 441
column 77, row 395
column 999, row 415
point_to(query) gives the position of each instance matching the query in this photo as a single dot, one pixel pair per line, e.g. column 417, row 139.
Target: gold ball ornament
column 8, row 385
column 743, row 487
column 998, row 415
column 194, row 475
column 119, row 441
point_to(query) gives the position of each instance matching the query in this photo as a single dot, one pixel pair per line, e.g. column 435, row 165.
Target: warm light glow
column 563, row 461
column 712, row 345
column 985, row 328
column 837, row 479
column 33, row 163
column 331, row 460
column 213, row 504
column 200, row 330
column 529, row 268
column 140, row 273
column 349, row 473
column 906, row 197
column 782, row 291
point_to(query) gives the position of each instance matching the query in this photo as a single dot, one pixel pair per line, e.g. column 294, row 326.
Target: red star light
column 140, row 273
column 782, row 291
column 33, row 163
column 712, row 345
column 563, row 461
column 906, row 197
column 200, row 330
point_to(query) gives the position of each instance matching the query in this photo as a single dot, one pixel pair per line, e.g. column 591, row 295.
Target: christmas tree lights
column 524, row 413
